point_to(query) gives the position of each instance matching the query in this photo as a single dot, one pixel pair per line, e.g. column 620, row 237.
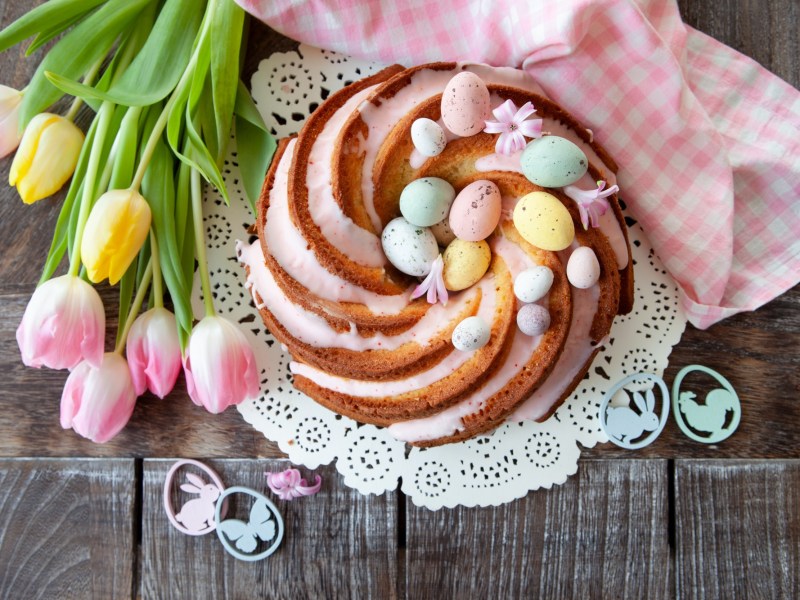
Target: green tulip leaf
column 226, row 43
column 51, row 18
column 255, row 145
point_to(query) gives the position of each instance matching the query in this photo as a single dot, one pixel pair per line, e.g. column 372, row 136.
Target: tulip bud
column 154, row 352
column 64, row 323
column 46, row 157
column 220, row 366
column 10, row 136
column 97, row 402
column 114, row 233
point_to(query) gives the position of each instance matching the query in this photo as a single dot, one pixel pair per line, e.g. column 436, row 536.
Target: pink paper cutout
column 196, row 516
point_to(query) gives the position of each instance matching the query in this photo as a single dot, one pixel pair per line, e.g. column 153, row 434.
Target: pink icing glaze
column 290, row 249
column 312, row 329
column 360, row 245
column 443, row 368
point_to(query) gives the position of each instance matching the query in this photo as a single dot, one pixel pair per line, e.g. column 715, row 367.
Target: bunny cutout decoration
column 623, row 425
column 198, row 514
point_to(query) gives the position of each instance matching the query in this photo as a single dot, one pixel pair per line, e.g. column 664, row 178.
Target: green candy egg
column 553, row 162
column 426, row 201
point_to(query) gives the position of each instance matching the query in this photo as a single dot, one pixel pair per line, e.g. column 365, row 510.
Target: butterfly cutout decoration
column 246, row 535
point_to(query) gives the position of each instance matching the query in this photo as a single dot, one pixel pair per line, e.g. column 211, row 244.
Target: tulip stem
column 200, row 242
column 88, row 79
column 122, row 336
column 104, row 119
column 158, row 291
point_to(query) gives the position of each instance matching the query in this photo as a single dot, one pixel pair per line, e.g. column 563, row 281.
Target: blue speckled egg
column 471, row 334
column 533, row 319
column 426, row 201
column 533, row 284
column 411, row 249
column 553, row 161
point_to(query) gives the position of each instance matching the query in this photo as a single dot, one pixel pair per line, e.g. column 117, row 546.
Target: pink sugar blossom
column 64, row 323
column 219, row 365
column 592, row 204
column 154, row 352
column 433, row 284
column 97, row 402
column 289, row 485
column 513, row 127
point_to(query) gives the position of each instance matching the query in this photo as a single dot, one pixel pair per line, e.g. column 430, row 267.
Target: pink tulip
column 63, row 324
column 154, row 352
column 97, row 402
column 10, row 135
column 219, row 365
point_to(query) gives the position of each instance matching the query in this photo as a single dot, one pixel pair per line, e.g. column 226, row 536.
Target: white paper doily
column 488, row 470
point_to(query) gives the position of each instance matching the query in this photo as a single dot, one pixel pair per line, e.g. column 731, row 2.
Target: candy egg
column 476, row 211
column 583, row 268
column 543, row 221
column 465, row 104
column 533, row 319
column 428, row 137
column 553, row 161
column 426, row 201
column 465, row 263
column 533, row 284
column 472, row 333
column 442, row 232
column 410, row 248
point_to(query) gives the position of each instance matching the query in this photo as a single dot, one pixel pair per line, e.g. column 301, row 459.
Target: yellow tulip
column 46, row 157
column 115, row 231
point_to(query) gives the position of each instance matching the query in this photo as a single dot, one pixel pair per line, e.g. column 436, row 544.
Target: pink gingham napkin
column 708, row 142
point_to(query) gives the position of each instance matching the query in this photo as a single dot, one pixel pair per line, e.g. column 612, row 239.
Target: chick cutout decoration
column 716, row 418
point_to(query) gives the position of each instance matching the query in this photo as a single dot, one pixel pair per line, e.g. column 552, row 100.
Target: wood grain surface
column 66, row 528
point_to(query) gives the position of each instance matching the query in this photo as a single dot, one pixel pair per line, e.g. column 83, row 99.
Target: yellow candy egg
column 465, row 263
column 544, row 222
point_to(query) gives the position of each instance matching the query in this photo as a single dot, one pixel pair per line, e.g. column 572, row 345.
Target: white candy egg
column 409, row 248
column 583, row 268
column 471, row 334
column 442, row 232
column 533, row 284
column 428, row 137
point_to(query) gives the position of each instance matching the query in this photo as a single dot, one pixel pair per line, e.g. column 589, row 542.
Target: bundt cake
column 440, row 249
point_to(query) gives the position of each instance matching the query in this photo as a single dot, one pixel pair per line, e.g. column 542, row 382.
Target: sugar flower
column 154, row 352
column 513, row 127
column 46, row 158
column 10, row 99
column 592, row 204
column 219, row 365
column 433, row 284
column 288, row 484
column 98, row 402
column 115, row 231
column 64, row 323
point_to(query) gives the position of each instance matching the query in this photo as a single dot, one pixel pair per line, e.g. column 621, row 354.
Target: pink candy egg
column 476, row 211
column 465, row 104
column 583, row 268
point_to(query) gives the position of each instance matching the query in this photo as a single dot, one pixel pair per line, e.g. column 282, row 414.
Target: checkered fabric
column 708, row 142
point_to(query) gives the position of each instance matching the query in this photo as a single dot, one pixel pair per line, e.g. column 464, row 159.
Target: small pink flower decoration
column 433, row 284
column 513, row 127
column 592, row 204
column 289, row 485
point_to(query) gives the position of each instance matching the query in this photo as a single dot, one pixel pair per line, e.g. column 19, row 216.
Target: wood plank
column 603, row 534
column 737, row 529
column 66, row 528
column 336, row 542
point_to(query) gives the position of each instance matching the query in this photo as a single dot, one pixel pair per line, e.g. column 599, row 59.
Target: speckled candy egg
column 476, row 211
column 471, row 334
column 553, row 161
column 410, row 248
column 465, row 104
column 533, row 319
column 465, row 263
column 426, row 201
column 442, row 232
column 583, row 268
column 428, row 137
column 533, row 284
column 543, row 221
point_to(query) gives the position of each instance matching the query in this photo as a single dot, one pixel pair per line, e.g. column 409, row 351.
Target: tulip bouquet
column 162, row 77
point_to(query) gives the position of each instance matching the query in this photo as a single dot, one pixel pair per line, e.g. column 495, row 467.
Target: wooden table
column 678, row 519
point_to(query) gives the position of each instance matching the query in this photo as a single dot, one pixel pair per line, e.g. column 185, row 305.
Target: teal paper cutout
column 622, row 424
column 710, row 416
column 265, row 524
